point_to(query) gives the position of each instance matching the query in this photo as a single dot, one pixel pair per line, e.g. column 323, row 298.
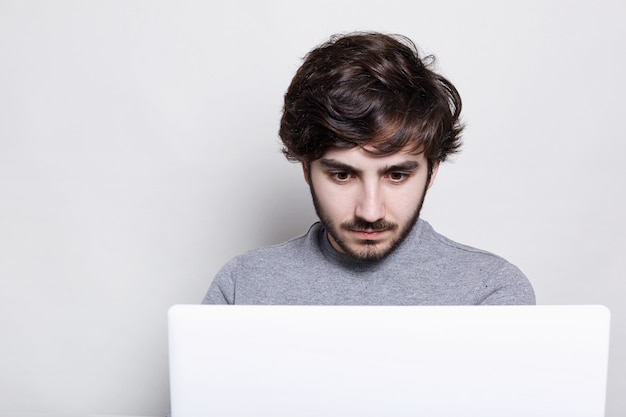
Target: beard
column 367, row 250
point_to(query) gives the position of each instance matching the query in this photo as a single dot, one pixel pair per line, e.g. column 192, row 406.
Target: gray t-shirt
column 426, row 269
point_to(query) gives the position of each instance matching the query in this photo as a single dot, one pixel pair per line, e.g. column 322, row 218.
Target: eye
column 398, row 176
column 340, row 176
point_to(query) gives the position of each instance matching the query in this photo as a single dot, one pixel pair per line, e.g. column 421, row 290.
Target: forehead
column 360, row 158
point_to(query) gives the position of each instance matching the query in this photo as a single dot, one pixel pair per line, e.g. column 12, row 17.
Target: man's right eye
column 340, row 176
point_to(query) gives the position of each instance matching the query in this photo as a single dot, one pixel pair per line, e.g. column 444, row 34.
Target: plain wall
column 139, row 153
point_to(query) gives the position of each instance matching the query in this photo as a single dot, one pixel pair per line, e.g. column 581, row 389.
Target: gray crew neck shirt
column 425, row 269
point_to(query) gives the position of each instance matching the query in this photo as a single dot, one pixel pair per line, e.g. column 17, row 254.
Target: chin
column 370, row 251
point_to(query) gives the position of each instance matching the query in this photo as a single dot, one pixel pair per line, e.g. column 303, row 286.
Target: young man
column 370, row 123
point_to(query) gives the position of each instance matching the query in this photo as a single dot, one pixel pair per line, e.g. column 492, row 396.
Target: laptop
column 388, row 361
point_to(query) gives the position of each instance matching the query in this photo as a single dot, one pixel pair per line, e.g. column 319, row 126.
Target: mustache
column 365, row 226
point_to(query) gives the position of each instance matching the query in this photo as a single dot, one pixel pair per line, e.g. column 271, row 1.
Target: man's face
column 368, row 203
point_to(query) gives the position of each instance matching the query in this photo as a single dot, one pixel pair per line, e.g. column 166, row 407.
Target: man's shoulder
column 495, row 279
column 290, row 250
column 435, row 241
column 255, row 276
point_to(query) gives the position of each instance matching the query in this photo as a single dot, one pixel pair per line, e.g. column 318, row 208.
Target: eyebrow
column 403, row 166
column 334, row 164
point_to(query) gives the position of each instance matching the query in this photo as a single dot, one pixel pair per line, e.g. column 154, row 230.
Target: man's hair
column 369, row 90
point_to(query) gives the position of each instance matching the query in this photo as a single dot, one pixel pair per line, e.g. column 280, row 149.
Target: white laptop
column 348, row 361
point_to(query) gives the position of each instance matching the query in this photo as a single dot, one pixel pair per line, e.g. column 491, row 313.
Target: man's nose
column 370, row 206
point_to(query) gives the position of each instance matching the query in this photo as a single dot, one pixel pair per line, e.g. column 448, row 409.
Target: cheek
column 337, row 202
column 404, row 204
column 334, row 201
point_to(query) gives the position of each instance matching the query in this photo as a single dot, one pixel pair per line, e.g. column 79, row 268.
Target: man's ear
column 306, row 171
column 433, row 173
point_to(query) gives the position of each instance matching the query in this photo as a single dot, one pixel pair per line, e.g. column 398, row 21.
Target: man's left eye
column 398, row 176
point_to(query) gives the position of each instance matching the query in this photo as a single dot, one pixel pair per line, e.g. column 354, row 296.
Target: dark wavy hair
column 369, row 89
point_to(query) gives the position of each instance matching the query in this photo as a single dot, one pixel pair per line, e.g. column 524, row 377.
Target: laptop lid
column 384, row 361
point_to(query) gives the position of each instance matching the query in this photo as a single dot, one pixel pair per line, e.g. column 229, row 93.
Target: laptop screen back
column 382, row 361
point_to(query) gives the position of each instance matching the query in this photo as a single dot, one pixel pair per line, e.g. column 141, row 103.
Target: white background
column 139, row 152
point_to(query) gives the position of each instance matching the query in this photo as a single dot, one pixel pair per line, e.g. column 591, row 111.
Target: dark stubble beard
column 369, row 254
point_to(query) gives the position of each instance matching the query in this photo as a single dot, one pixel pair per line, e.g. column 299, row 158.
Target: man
column 370, row 123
